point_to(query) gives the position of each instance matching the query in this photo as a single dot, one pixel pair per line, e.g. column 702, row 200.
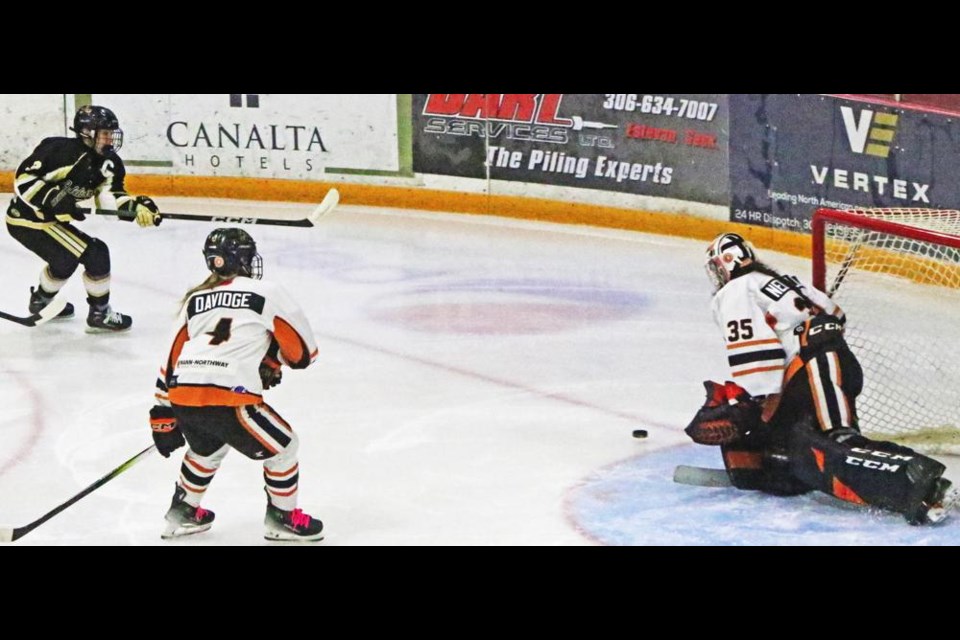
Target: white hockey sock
column 48, row 284
column 196, row 473
column 96, row 287
column 281, row 476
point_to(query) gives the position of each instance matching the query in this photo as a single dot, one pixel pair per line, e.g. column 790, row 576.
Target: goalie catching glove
column 726, row 416
column 147, row 213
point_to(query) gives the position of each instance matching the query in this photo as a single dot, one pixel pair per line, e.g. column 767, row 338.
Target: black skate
column 106, row 320
column 184, row 519
column 290, row 525
column 38, row 300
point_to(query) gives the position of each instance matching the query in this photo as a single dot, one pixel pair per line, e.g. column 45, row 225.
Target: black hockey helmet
column 90, row 120
column 725, row 257
column 231, row 252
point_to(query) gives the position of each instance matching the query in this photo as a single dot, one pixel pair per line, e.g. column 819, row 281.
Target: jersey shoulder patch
column 776, row 288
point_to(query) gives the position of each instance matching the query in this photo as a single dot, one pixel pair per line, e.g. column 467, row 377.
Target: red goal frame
column 822, row 216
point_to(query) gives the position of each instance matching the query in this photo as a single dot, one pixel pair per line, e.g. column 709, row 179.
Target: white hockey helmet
column 725, row 257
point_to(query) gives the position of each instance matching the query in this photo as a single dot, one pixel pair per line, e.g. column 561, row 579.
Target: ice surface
column 477, row 384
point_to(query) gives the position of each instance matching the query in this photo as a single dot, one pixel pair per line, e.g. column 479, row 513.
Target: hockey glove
column 270, row 373
column 820, row 333
column 166, row 434
column 64, row 206
column 728, row 413
column 146, row 210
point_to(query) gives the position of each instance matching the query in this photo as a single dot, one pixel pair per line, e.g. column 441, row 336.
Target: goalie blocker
column 796, row 459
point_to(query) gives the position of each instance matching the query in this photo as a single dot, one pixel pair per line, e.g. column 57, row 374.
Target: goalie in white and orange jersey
column 788, row 424
column 234, row 333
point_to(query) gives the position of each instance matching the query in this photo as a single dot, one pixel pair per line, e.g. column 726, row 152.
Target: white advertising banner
column 292, row 136
column 28, row 119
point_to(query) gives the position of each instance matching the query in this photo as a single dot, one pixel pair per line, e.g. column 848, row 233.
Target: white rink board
column 27, row 119
column 292, row 136
column 163, row 136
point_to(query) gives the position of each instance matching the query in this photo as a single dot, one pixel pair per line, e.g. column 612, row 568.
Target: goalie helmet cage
column 896, row 274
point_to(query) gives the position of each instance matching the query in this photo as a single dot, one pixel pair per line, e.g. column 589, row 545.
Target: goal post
column 896, row 274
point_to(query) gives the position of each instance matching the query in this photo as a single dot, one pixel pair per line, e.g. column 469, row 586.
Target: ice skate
column 184, row 519
column 106, row 320
column 291, row 525
column 38, row 300
column 938, row 505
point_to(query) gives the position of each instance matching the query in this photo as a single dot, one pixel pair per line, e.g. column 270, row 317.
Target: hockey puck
column 639, row 433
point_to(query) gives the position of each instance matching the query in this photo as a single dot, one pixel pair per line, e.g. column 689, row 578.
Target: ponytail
column 212, row 280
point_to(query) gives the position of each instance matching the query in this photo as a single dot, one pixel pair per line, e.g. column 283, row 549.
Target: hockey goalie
column 787, row 424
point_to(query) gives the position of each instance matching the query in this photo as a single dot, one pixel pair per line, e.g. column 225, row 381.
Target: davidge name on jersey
column 203, row 302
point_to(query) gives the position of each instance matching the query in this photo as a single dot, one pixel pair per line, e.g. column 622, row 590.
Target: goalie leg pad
column 849, row 466
column 755, row 463
column 744, row 464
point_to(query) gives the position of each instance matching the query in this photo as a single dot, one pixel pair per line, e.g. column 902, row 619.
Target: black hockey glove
column 166, row 433
column 728, row 413
column 823, row 332
column 270, row 373
column 63, row 206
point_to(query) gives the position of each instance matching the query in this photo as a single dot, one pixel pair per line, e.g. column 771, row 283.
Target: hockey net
column 896, row 274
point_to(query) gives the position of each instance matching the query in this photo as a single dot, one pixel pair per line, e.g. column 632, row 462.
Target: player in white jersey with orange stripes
column 758, row 312
column 787, row 423
column 234, row 333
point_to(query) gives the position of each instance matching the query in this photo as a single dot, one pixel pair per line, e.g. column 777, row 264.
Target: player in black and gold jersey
column 59, row 173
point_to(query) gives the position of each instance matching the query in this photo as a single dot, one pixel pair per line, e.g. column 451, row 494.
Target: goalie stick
column 705, row 477
column 46, row 314
column 10, row 534
column 325, row 207
column 701, row 476
column 845, row 267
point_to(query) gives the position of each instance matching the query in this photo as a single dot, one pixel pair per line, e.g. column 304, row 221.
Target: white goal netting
column 896, row 274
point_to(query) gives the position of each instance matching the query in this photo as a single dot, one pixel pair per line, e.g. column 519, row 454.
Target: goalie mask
column 232, row 252
column 99, row 128
column 725, row 257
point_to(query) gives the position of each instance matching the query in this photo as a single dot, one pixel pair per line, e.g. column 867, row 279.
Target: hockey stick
column 701, row 476
column 326, row 206
column 846, row 263
column 46, row 314
column 9, row 534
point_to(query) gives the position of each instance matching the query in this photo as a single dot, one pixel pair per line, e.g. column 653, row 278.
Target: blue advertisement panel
column 793, row 153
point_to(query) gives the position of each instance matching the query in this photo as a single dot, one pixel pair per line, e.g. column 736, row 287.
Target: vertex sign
column 871, row 132
column 838, row 152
